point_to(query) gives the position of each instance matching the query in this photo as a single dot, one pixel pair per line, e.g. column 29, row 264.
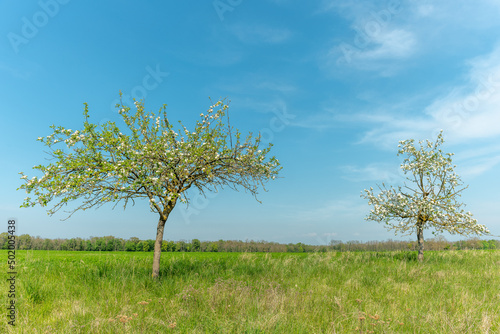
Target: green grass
column 113, row 292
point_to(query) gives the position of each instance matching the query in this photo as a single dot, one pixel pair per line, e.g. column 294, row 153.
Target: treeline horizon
column 110, row 243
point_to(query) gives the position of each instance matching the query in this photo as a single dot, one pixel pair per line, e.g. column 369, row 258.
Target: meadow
column 333, row 292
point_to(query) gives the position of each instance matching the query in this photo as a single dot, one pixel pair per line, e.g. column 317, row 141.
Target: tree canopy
column 151, row 160
column 432, row 201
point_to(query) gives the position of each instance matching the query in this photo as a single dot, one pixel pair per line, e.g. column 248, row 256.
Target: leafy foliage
column 433, row 199
column 153, row 161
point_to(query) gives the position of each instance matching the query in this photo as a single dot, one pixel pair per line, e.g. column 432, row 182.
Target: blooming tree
column 151, row 160
column 432, row 202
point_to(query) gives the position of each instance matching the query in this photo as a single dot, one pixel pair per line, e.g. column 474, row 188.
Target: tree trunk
column 420, row 239
column 157, row 252
column 159, row 237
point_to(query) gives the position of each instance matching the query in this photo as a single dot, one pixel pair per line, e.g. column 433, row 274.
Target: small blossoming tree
column 151, row 161
column 432, row 202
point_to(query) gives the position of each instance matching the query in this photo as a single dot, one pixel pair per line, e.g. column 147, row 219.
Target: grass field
column 92, row 292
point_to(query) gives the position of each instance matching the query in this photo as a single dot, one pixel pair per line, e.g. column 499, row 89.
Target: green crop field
column 366, row 292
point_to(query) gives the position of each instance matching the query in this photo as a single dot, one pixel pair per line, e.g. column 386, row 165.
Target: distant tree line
column 439, row 243
column 110, row 243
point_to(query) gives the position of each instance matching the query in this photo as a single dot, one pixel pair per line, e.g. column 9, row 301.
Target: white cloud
column 379, row 172
column 385, row 37
column 480, row 166
column 14, row 72
column 391, row 123
column 473, row 109
column 383, row 53
column 473, row 162
column 315, row 121
column 378, row 41
column 457, row 14
column 391, row 44
column 423, row 10
column 255, row 84
column 468, row 111
column 468, row 114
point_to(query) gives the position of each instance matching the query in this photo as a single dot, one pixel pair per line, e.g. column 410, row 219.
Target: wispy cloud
column 379, row 172
column 386, row 36
column 377, row 41
column 381, row 53
column 14, row 72
column 474, row 162
column 479, row 166
column 472, row 110
column 256, row 84
column 388, row 129
column 390, row 44
column 468, row 111
column 456, row 14
column 316, row 120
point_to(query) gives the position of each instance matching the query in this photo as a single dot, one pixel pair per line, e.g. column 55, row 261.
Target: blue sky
column 333, row 84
